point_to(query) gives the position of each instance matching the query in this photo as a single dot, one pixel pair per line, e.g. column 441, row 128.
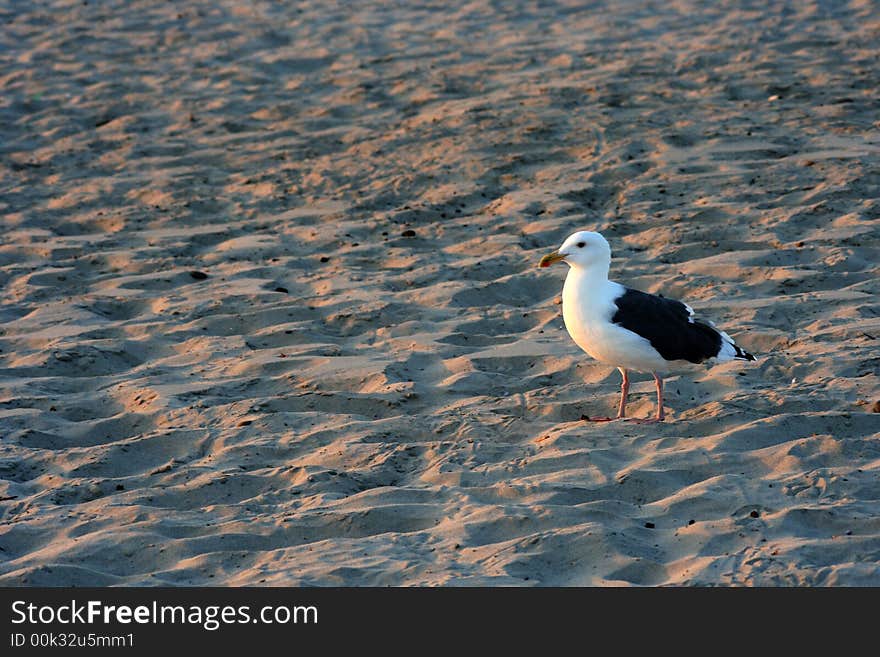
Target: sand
column 271, row 312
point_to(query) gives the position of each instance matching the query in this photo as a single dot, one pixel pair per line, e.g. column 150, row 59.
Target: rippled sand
column 271, row 312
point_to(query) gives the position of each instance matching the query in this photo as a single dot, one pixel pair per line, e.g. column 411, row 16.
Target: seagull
column 629, row 329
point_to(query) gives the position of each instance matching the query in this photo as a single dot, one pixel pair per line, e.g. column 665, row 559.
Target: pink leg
column 659, row 381
column 621, row 408
column 660, row 415
column 624, row 390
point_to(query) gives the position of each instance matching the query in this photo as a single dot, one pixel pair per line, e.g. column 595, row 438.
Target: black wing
column 667, row 325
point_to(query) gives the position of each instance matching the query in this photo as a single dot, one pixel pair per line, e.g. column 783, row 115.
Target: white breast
column 587, row 308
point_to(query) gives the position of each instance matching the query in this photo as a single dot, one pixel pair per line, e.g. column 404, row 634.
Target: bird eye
column 581, row 245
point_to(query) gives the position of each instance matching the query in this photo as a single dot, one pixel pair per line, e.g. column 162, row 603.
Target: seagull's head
column 583, row 249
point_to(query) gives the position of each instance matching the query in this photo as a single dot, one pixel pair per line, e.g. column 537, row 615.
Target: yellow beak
column 550, row 258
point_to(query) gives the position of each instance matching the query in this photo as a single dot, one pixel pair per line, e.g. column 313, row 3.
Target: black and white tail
column 731, row 351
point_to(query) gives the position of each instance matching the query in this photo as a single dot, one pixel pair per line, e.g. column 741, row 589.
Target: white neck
column 596, row 271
